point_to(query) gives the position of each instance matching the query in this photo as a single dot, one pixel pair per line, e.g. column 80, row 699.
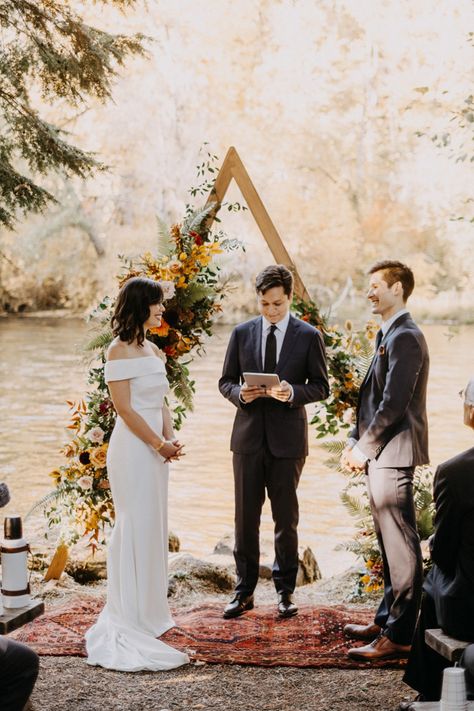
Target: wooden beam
column 233, row 168
column 445, row 645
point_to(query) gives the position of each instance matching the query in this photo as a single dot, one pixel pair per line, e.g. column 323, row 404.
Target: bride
column 142, row 443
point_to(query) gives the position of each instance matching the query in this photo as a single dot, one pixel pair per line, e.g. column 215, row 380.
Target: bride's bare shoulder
column 118, row 349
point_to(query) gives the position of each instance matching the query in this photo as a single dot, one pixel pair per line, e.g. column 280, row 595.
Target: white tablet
column 264, row 380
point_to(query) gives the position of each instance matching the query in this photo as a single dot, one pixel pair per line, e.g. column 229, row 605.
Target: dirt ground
column 68, row 683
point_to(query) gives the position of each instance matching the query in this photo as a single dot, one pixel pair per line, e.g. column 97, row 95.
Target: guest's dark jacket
column 302, row 363
column 391, row 426
column 451, row 580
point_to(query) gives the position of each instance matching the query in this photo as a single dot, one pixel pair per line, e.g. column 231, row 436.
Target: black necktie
column 378, row 339
column 270, row 362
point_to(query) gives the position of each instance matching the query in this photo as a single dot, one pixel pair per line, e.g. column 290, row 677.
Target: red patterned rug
column 313, row 638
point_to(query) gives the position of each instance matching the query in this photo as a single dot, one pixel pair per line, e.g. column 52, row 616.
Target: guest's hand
column 249, row 393
column 282, row 392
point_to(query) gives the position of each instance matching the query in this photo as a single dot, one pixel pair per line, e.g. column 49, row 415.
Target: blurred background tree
column 48, row 52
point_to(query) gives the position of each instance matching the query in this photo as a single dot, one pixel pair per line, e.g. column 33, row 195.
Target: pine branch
column 46, row 43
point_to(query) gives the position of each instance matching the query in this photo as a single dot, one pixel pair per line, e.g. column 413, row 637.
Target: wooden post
column 232, row 167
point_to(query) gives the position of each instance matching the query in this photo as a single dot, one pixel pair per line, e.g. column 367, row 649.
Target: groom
column 269, row 437
column 389, row 440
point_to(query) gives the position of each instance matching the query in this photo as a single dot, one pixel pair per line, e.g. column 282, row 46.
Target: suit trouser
column 18, row 672
column 253, row 473
column 393, row 511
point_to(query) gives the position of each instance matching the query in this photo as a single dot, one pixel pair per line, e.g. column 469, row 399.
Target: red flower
column 170, row 350
column 197, row 237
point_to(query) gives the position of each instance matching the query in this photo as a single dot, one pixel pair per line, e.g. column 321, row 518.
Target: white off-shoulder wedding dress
column 136, row 612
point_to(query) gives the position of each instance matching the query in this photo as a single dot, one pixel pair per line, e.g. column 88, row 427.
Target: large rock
column 188, row 572
column 308, row 568
column 173, row 543
column 225, row 546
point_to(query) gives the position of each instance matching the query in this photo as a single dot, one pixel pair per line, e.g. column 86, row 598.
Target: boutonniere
column 381, row 350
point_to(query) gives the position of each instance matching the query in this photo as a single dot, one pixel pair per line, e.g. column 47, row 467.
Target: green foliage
column 47, row 46
column 348, row 357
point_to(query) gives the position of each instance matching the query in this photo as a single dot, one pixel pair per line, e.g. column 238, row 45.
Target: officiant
column 269, row 438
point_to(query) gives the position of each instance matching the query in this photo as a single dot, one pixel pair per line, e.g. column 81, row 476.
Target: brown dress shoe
column 381, row 648
column 363, row 631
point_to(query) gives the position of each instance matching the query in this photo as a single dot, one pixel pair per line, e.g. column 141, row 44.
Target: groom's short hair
column 274, row 275
column 393, row 272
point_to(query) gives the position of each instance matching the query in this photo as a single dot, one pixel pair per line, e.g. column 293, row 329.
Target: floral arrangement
column 349, row 354
column 81, row 504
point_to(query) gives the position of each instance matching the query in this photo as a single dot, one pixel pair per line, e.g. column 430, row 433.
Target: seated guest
column 19, row 667
column 448, row 600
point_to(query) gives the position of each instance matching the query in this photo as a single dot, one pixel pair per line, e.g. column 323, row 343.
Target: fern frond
column 355, row 505
column 195, row 219
column 195, row 292
column 334, row 446
column 165, row 241
column 100, row 342
column 53, row 495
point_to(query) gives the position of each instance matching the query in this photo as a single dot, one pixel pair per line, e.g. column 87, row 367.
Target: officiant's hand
column 249, row 393
column 281, row 392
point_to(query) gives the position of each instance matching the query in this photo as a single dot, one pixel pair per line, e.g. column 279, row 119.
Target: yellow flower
column 183, row 256
column 99, row 456
column 56, row 475
column 365, row 579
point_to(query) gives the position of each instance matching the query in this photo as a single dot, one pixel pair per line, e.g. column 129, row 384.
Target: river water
column 41, row 367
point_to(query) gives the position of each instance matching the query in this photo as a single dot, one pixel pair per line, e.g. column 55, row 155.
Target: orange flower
column 161, row 330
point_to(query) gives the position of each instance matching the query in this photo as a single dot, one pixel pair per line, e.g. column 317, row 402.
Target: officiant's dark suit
column 270, row 440
column 391, row 433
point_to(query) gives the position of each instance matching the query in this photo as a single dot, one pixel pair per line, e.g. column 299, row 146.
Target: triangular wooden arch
column 232, row 167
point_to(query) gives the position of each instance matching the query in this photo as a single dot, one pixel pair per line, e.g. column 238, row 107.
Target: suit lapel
column 288, row 343
column 396, row 323
column 257, row 342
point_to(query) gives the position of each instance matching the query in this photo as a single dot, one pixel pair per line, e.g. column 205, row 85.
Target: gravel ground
column 69, row 683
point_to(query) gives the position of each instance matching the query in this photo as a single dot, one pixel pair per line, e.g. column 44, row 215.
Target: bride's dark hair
column 132, row 308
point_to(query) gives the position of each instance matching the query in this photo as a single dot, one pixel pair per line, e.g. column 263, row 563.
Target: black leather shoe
column 286, row 606
column 236, row 607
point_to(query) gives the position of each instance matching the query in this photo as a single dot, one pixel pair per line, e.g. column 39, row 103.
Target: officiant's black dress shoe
column 286, row 606
column 236, row 607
